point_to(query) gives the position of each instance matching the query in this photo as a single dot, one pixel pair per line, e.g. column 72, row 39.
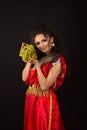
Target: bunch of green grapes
column 28, row 53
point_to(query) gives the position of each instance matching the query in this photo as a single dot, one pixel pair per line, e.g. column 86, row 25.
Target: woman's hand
column 23, row 44
column 36, row 63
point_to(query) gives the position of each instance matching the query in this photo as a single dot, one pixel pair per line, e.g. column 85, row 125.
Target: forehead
column 39, row 37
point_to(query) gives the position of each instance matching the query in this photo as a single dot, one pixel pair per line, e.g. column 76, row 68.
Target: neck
column 49, row 53
column 47, row 58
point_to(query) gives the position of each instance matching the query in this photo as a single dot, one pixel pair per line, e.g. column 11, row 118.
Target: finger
column 23, row 44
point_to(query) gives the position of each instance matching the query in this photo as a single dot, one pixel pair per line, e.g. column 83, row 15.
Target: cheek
column 38, row 47
column 50, row 45
column 45, row 43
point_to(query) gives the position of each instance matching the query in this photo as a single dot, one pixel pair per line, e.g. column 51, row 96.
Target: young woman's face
column 43, row 43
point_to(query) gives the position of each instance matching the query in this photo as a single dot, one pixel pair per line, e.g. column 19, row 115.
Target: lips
column 43, row 48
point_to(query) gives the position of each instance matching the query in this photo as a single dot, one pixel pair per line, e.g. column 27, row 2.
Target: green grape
column 28, row 53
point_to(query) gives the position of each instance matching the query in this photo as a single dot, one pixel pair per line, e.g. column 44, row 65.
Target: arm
column 26, row 71
column 45, row 83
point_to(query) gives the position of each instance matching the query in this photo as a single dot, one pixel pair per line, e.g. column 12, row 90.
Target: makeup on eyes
column 42, row 41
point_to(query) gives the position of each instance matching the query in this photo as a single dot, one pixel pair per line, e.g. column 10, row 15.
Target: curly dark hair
column 59, row 47
column 46, row 31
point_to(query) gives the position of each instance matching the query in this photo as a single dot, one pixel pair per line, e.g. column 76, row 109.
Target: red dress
column 42, row 111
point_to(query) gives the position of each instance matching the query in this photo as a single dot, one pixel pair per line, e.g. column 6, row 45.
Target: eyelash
column 37, row 43
column 44, row 40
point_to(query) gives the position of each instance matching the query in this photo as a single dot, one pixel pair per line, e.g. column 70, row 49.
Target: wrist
column 28, row 64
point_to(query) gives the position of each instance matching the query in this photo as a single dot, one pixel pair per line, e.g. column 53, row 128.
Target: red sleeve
column 60, row 78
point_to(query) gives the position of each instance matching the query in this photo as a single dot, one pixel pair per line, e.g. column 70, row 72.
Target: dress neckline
column 47, row 59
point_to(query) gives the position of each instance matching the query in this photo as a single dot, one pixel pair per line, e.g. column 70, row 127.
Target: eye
column 44, row 40
column 37, row 43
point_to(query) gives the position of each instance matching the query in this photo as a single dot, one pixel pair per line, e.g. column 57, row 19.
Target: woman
column 43, row 76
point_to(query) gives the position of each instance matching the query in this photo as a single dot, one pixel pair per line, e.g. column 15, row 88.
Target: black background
column 68, row 19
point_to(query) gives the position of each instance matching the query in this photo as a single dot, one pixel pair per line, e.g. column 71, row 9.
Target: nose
column 41, row 44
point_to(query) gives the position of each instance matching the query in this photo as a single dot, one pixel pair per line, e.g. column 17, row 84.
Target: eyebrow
column 41, row 40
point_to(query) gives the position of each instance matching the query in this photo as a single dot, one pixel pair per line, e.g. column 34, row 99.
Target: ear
column 52, row 39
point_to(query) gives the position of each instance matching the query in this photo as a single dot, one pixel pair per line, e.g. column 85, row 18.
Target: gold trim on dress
column 33, row 90
column 50, row 114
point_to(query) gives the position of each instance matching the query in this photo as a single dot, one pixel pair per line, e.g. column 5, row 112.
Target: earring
column 53, row 44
